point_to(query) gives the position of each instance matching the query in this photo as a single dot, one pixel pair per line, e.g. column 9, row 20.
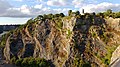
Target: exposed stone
column 77, row 42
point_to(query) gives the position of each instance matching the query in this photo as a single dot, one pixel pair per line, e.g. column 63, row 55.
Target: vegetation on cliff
column 72, row 41
column 31, row 62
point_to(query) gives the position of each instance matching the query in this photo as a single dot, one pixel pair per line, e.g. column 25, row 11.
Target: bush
column 62, row 15
column 13, row 60
column 32, row 62
column 117, row 15
column 59, row 24
column 3, row 41
column 69, row 33
column 77, row 12
column 18, row 62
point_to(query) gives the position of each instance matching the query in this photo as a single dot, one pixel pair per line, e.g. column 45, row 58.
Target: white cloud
column 24, row 9
column 43, row 7
column 81, row 3
column 77, row 2
column 18, row 0
column 57, row 2
column 101, row 7
column 40, row 0
column 38, row 6
column 6, row 10
column 14, row 12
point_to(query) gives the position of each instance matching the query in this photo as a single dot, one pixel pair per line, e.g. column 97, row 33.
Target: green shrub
column 69, row 33
column 59, row 24
column 3, row 41
column 32, row 62
column 94, row 34
column 78, row 62
column 77, row 12
column 62, row 15
column 13, row 60
column 18, row 62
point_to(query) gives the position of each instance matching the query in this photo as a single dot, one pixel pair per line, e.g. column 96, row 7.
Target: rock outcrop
column 115, row 25
column 66, row 42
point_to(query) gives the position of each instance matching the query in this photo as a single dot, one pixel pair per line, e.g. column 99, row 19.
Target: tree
column 69, row 12
column 100, row 15
column 93, row 14
column 77, row 12
column 56, row 15
column 117, row 15
column 30, row 21
column 62, row 15
column 50, row 16
column 45, row 16
column 109, row 11
column 39, row 17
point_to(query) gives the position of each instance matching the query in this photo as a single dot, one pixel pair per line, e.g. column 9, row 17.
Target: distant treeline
column 7, row 27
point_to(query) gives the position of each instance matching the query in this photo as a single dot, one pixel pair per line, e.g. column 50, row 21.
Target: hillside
column 65, row 41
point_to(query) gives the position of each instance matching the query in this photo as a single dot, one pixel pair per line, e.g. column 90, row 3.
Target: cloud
column 15, row 12
column 40, row 0
column 4, row 5
column 57, row 2
column 24, row 9
column 18, row 0
column 48, row 10
column 7, row 10
column 81, row 3
column 77, row 2
column 38, row 6
column 46, row 7
column 101, row 7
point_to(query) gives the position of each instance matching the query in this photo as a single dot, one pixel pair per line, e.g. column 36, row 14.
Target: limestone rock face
column 115, row 25
column 115, row 55
column 66, row 42
column 45, row 41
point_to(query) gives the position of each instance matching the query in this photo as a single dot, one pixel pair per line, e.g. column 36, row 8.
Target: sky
column 19, row 11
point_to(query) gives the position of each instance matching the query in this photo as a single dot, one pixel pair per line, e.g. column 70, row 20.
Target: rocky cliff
column 65, row 41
